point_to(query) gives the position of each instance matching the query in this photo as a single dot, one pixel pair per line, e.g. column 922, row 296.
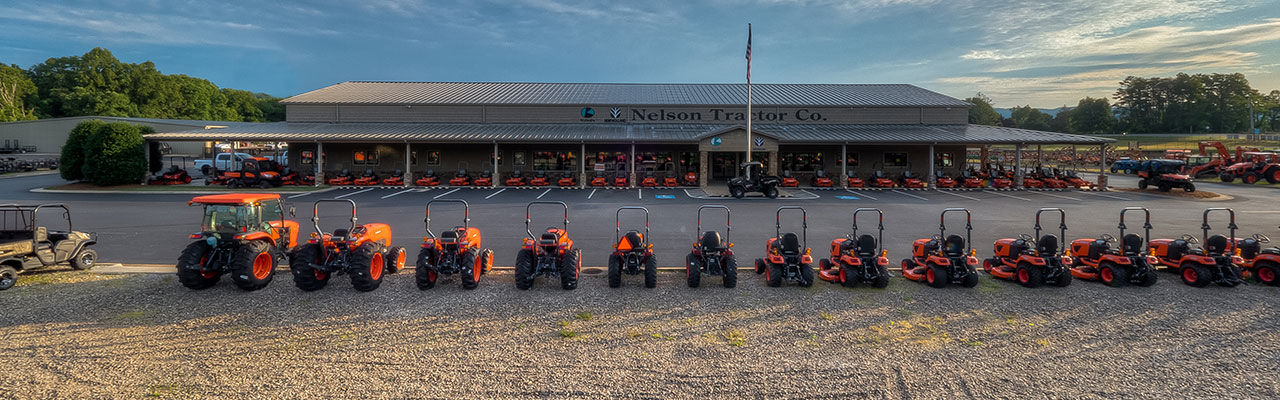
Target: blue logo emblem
column 588, row 112
column 715, row 141
column 759, row 142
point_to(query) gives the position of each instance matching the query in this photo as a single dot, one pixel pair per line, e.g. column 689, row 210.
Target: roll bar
column 617, row 222
column 1230, row 226
column 968, row 226
column 315, row 213
column 466, row 214
column 1145, row 225
column 728, row 226
column 804, row 223
column 527, row 220
column 854, row 235
column 1062, row 226
column 35, row 211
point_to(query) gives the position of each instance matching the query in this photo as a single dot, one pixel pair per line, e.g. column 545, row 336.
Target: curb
column 62, row 191
column 28, row 173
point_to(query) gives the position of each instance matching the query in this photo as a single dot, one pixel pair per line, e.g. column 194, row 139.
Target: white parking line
column 686, row 193
column 958, row 195
column 400, row 193
column 1007, row 195
column 495, row 193
column 1107, row 196
column 640, row 194
column 1057, row 195
column 861, row 194
column 353, row 193
column 544, row 193
column 593, row 193
column 300, row 195
column 446, row 193
column 811, row 194
column 909, row 194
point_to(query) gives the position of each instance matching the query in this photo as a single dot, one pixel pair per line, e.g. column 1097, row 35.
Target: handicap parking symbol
column 846, row 197
column 665, row 196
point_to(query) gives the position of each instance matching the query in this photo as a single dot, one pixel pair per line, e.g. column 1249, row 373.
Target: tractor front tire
column 651, row 272
column 937, row 276
column 1190, row 188
column 305, row 276
column 1164, row 187
column 773, row 275
column 425, row 274
column 971, row 279
column 253, row 266
column 1273, row 175
column 882, row 277
column 194, row 255
column 615, row 272
column 1030, row 276
column 806, row 275
column 737, row 192
column 569, row 269
column 471, row 269
column 1112, row 275
column 395, row 259
column 1249, row 178
column 848, row 277
column 1195, row 275
column 760, row 266
column 486, row 260
column 1226, row 177
column 1268, row 274
column 730, row 266
column 367, row 267
column 87, row 258
column 692, row 270
column 524, row 269
column 771, row 192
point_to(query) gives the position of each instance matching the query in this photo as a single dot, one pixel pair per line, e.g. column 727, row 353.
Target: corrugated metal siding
column 310, row 113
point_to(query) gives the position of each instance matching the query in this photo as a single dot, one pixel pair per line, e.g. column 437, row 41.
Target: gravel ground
column 146, row 336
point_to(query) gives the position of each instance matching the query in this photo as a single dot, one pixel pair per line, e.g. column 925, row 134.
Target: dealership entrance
column 724, row 164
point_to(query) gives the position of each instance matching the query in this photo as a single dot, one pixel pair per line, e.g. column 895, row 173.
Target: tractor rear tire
column 1195, row 275
column 1064, row 278
column 1226, row 177
column 305, row 276
column 651, row 272
column 730, row 266
column 1149, row 277
column 760, row 266
column 367, row 267
column 615, row 271
column 193, row 279
column 1249, row 178
column 1268, row 274
column 737, row 192
column 1273, row 175
column 253, row 266
column 524, row 269
column 1142, row 184
column 771, row 192
column 1113, row 276
column 1190, row 188
column 773, row 275
column 395, row 259
column 692, row 270
column 937, row 276
column 971, row 280
column 1128, row 171
column 8, row 276
column 569, row 269
column 471, row 269
column 806, row 275
column 425, row 274
column 88, row 258
column 1030, row 276
column 265, row 184
column 882, row 277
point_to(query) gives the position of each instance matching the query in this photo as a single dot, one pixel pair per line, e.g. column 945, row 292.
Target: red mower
column 396, row 179
column 1000, row 179
column 691, row 179
column 909, row 179
column 788, row 180
column 364, row 252
column 368, row 178
column 599, row 180
column 485, row 179
column 942, row 260
column 567, row 179
column 788, row 255
column 711, row 254
column 1212, row 263
column 428, row 179
column 1076, row 181
column 516, row 179
column 1095, row 260
column 857, row 259
column 945, row 180
column 879, row 180
column 456, row 251
column 175, row 175
column 1032, row 261
column 460, row 179
column 1260, row 263
column 620, row 180
column 854, row 181
column 971, row 181
column 540, row 178
column 649, row 180
column 669, row 180
column 820, row 179
column 632, row 253
column 550, row 254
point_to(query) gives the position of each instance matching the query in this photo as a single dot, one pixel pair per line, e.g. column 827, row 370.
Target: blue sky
column 1043, row 54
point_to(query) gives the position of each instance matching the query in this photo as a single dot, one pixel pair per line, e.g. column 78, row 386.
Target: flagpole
column 748, row 93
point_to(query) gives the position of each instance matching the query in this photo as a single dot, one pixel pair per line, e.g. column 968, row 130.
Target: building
column 628, row 129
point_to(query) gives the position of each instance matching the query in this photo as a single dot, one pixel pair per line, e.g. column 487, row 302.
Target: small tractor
column 244, row 235
column 712, row 254
column 516, row 179
column 1030, row 260
column 455, row 251
column 857, row 259
column 788, row 180
column 599, row 180
column 753, row 179
column 879, row 179
column 945, row 180
column 25, row 244
column 549, row 254
column 567, row 179
column 1212, row 263
column 632, row 253
column 175, row 175
column 1095, row 260
column 485, row 179
column 1164, row 175
column 362, row 251
column 368, row 178
column 1253, row 167
column 1262, row 264
column 788, row 257
column 428, row 179
column 942, row 260
column 396, row 179
column 820, row 179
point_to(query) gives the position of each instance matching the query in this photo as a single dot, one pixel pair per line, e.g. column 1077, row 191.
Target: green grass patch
column 826, row 315
column 734, row 337
column 583, row 316
column 567, row 333
column 130, row 315
column 162, row 390
column 989, row 286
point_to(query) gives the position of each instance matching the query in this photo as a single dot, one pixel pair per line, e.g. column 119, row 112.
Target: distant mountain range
column 1053, row 112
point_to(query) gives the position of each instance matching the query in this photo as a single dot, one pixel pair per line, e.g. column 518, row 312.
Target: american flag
column 748, row 52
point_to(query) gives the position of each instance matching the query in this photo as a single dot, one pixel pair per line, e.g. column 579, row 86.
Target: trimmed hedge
column 71, row 162
column 113, row 154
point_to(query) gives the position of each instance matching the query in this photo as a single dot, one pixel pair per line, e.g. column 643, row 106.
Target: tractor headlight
column 1153, row 260
column 1237, row 260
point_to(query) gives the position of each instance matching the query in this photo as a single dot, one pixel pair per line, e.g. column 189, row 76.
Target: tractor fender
column 263, row 236
column 1037, row 261
column 1205, row 260
column 1118, row 260
column 943, row 261
column 850, row 260
column 776, row 259
column 14, row 262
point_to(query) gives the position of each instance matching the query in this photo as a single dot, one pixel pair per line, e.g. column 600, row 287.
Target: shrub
column 115, row 155
column 71, row 162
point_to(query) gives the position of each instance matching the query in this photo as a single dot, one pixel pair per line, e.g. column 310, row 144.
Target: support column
column 494, row 156
column 408, row 164
column 146, row 155
column 1102, row 166
column 773, row 163
column 319, row 159
column 631, row 173
column 1072, row 164
column 702, row 168
column 1039, row 156
column 844, row 165
column 582, row 166
column 1017, row 168
column 933, row 175
column 985, row 158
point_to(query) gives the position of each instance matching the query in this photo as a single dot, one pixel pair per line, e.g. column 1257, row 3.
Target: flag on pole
column 748, row 52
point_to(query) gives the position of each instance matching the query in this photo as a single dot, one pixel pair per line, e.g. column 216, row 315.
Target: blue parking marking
column 665, row 196
column 847, row 197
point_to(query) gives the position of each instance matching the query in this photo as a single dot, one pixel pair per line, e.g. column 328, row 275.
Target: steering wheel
column 1108, row 238
column 1261, row 238
column 1025, row 237
column 936, row 237
column 1190, row 239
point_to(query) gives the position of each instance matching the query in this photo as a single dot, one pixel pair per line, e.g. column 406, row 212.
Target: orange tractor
column 711, row 254
column 1252, row 167
column 1095, row 260
column 455, row 251
column 1213, row 263
column 857, row 259
column 1260, row 263
column 820, row 179
column 1030, row 260
column 396, row 179
column 368, row 178
column 516, row 179
column 632, row 253
column 854, row 181
column 549, row 254
column 244, row 235
column 788, row 180
column 362, row 251
column 942, row 260
column 788, row 256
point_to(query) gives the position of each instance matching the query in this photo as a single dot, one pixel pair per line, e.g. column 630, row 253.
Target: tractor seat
column 711, row 241
column 789, row 244
column 786, row 173
column 635, row 239
column 462, row 173
column 345, row 173
column 397, row 173
column 820, row 173
column 1249, row 248
column 517, row 174
column 1047, row 245
column 1217, row 244
column 486, row 174
column 879, row 174
column 908, row 174
column 173, row 169
column 368, row 173
column 954, row 246
column 340, row 232
column 549, row 238
column 866, row 246
column 540, row 174
column 1131, row 243
column 451, row 235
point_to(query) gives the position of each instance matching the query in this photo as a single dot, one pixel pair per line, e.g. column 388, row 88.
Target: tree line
column 97, row 83
column 1199, row 103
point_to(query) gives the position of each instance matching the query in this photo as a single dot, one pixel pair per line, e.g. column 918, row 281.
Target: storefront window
column 308, row 157
column 852, row 160
column 944, row 160
column 554, row 161
column 499, row 153
column 364, row 157
column 895, row 159
column 433, row 157
column 801, row 162
column 517, row 159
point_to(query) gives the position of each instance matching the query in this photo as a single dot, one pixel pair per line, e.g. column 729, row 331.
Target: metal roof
column 620, row 133
column 523, row 93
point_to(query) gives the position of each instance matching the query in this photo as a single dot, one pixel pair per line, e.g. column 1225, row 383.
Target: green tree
column 114, row 155
column 1062, row 120
column 71, row 163
column 1092, row 116
column 1025, row 117
column 982, row 113
column 17, row 93
column 271, row 108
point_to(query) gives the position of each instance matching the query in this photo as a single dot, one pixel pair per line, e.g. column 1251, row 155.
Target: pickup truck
column 222, row 161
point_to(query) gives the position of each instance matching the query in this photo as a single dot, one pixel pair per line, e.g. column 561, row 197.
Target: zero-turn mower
column 485, row 179
column 362, row 251
column 343, row 178
column 712, row 254
column 599, row 180
column 176, row 174
column 1095, row 260
column 787, row 256
column 456, row 251
column 516, row 179
column 632, row 252
column 429, row 179
column 550, row 254
column 460, row 179
column 567, row 179
column 909, row 179
column 1213, row 263
column 669, row 180
column 540, row 178
column 788, row 180
column 969, row 180
column 857, row 259
column 396, row 179
column 368, row 178
column 854, row 181
column 941, row 259
column 691, row 178
column 879, row 179
column 1032, row 261
column 820, row 179
column 945, row 180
